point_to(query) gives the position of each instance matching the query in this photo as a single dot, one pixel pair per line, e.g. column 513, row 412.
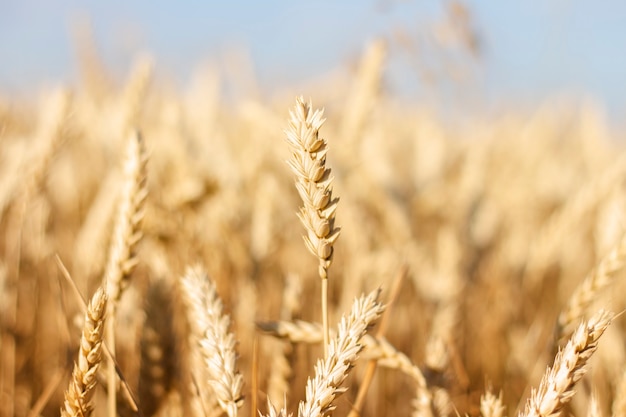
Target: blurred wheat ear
column 84, row 377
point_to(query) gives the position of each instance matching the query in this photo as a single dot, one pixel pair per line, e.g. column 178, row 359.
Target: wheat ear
column 272, row 412
column 127, row 231
column 209, row 327
column 135, row 91
column 314, row 184
column 599, row 278
column 491, row 406
column 126, row 234
column 343, row 351
column 81, row 388
column 557, row 385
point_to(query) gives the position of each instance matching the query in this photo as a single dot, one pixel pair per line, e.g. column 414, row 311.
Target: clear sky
column 529, row 49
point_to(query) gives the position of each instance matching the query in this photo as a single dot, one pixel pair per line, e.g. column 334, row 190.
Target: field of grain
column 479, row 256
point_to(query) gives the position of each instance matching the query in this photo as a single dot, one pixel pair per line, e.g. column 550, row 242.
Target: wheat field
column 152, row 259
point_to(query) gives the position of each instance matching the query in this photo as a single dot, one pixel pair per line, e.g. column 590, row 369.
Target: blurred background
column 478, row 146
column 459, row 56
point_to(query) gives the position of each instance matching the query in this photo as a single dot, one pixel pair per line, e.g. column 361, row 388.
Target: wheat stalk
column 313, row 182
column 80, row 391
column 343, row 351
column 209, row 327
column 557, row 385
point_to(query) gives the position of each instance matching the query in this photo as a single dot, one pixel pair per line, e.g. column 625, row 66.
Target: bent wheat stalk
column 313, row 181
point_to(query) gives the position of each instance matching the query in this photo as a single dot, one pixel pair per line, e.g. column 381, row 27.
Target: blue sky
column 530, row 49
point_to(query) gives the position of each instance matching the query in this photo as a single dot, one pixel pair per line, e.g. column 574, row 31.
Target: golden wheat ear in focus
column 313, row 182
column 314, row 185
